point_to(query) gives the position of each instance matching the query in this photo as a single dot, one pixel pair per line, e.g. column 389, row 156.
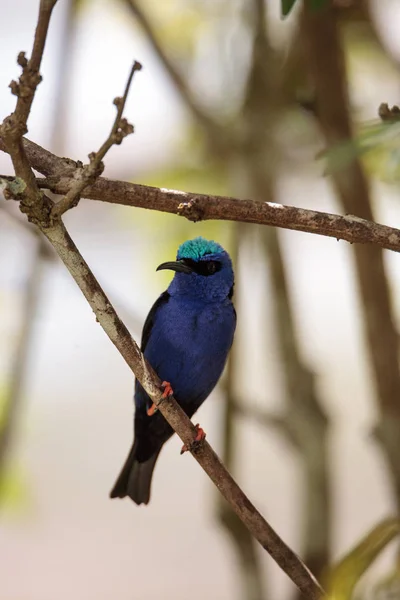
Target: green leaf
column 286, row 6
column 315, row 4
column 379, row 145
column 343, row 577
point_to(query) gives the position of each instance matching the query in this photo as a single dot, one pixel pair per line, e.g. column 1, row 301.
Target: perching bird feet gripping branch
column 186, row 338
column 168, row 391
column 201, row 435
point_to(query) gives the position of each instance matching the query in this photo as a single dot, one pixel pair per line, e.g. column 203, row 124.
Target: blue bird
column 186, row 338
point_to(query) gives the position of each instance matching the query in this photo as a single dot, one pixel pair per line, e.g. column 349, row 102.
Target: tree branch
column 327, row 64
column 14, row 126
column 289, row 562
column 90, row 172
column 243, row 541
column 202, row 207
column 26, row 87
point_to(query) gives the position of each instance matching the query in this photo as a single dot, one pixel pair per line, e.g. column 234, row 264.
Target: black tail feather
column 135, row 478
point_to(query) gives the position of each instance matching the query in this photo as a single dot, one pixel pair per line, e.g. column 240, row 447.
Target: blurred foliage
column 13, row 494
column 377, row 144
column 388, row 588
column 343, row 577
column 287, row 5
column 178, row 24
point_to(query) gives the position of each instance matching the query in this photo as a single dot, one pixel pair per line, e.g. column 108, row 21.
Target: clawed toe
column 200, row 435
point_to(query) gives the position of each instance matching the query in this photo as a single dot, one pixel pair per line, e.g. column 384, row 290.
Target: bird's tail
column 135, row 478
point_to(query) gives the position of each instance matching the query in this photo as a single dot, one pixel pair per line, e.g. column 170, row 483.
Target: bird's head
column 203, row 270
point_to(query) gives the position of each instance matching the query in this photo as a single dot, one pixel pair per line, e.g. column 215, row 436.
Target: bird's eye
column 211, row 267
column 204, row 267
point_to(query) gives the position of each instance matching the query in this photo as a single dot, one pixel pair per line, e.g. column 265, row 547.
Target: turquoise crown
column 198, row 248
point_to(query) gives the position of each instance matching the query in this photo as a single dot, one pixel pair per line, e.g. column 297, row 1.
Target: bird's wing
column 230, row 296
column 141, row 398
column 148, row 325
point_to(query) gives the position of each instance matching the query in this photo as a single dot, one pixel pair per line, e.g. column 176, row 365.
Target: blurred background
column 231, row 100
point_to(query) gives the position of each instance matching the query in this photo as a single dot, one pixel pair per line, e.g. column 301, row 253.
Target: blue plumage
column 186, row 338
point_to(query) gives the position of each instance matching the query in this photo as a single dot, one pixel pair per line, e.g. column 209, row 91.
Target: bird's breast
column 188, row 347
column 204, row 329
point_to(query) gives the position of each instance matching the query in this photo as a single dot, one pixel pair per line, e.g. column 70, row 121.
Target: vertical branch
column 21, row 358
column 251, row 573
column 327, row 65
column 305, row 422
column 308, row 420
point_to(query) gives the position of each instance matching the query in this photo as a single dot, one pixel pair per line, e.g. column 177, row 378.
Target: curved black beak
column 179, row 266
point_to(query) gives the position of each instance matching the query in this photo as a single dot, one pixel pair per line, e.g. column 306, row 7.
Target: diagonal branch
column 289, row 562
column 90, row 172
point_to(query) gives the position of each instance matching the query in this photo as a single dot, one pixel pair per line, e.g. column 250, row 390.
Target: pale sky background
column 70, row 540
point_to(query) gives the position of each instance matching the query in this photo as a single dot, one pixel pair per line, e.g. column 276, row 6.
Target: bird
column 186, row 338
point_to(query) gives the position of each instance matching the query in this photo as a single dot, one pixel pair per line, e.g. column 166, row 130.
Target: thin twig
column 33, row 201
column 90, row 172
column 30, row 78
column 211, row 127
column 15, row 125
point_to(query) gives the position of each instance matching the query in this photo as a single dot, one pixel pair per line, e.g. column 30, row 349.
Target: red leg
column 168, row 391
column 152, row 410
column 200, row 435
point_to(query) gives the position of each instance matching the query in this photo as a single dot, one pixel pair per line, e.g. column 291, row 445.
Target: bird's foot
column 168, row 391
column 200, row 435
column 152, row 410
